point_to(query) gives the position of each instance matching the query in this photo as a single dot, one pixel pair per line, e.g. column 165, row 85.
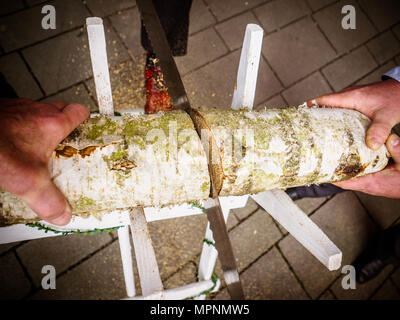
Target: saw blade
column 180, row 100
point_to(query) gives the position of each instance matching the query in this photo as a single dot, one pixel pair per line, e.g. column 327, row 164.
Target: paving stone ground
column 305, row 54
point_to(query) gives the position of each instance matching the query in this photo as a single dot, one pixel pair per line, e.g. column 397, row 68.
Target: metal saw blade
column 180, row 100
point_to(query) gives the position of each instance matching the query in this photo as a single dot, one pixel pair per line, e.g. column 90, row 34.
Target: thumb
column 382, row 123
column 47, row 200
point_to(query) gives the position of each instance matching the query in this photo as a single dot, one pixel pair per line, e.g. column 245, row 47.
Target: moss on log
column 291, row 147
column 157, row 160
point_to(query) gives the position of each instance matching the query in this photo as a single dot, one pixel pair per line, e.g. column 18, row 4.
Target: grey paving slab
column 309, row 205
column 18, row 76
column 270, row 278
column 387, row 292
column 278, row 13
column 203, row 47
column 222, row 295
column 396, row 277
column 311, row 87
column 376, row 75
column 250, row 207
column 13, row 282
column 128, row 26
column 25, row 27
column 7, row 246
column 384, row 47
column 228, row 8
column 176, row 241
column 65, row 60
column 127, row 84
column 101, row 8
column 200, row 17
column 384, row 211
column 8, row 6
column 362, row 291
column 232, row 221
column 184, row 276
column 275, row 102
column 233, row 30
column 382, row 15
column 345, row 222
column 349, row 68
column 99, row 277
column 253, row 237
column 318, row 4
column 213, row 84
column 32, row 3
column 297, row 50
column 61, row 252
column 330, row 21
column 327, row 295
column 76, row 94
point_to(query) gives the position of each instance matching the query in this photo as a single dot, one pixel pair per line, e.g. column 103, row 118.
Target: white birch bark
column 120, row 162
column 291, row 147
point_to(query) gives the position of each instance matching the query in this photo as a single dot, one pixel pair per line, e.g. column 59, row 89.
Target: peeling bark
column 291, row 147
column 157, row 160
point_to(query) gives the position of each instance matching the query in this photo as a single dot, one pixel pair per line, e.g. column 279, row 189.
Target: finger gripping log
column 157, row 160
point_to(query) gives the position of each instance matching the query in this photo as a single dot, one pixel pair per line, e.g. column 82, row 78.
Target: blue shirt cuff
column 393, row 74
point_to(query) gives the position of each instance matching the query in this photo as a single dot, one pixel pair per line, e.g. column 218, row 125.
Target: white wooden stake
column 243, row 95
column 279, row 205
column 276, row 202
column 127, row 264
column 98, row 55
column 149, row 274
column 180, row 293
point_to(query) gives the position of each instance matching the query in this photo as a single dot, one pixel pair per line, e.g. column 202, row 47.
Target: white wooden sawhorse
column 275, row 202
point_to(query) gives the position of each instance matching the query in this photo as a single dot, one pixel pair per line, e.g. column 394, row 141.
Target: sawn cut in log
column 157, row 160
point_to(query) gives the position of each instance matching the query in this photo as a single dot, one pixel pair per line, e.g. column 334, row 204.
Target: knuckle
column 54, row 122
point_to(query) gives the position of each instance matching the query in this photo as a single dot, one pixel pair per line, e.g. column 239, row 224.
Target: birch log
column 290, row 147
column 121, row 162
column 157, row 160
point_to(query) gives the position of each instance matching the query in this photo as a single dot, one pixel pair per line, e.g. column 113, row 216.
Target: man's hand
column 29, row 133
column 381, row 103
